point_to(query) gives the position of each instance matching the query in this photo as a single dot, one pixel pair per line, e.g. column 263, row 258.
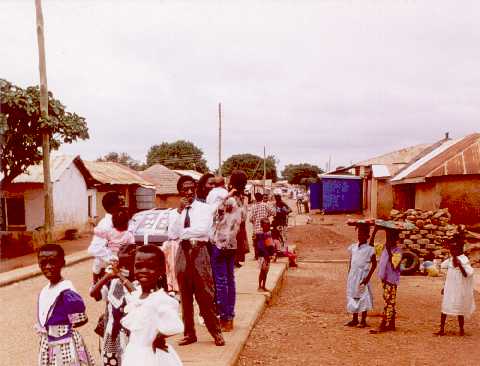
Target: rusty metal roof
column 402, row 156
column 453, row 157
column 107, row 172
column 165, row 180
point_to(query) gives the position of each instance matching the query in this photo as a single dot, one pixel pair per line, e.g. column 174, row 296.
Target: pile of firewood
column 432, row 229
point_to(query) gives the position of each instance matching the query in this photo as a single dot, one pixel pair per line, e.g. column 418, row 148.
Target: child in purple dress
column 60, row 310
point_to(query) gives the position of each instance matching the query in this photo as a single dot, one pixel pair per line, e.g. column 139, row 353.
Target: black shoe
column 352, row 323
column 187, row 340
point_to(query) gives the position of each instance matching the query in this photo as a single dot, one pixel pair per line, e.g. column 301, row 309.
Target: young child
column 217, row 194
column 98, row 247
column 265, row 252
column 151, row 315
column 362, row 265
column 60, row 310
column 112, row 288
column 389, row 274
column 118, row 235
column 458, row 291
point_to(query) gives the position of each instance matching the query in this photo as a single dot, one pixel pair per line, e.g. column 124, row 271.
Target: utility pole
column 220, row 139
column 47, row 184
column 264, row 168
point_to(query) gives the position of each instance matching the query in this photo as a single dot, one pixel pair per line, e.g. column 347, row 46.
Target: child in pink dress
column 119, row 234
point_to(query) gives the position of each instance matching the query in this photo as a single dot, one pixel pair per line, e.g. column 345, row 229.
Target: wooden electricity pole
column 220, row 139
column 264, row 168
column 47, row 185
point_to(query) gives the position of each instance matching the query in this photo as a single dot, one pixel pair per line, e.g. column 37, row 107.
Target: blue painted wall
column 336, row 195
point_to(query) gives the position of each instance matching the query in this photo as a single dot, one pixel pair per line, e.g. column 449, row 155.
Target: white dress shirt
column 216, row 196
column 201, row 221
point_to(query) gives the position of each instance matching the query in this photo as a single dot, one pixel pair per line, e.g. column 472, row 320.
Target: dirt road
column 305, row 326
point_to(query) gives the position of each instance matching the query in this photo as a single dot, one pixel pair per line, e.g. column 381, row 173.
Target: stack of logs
column 433, row 227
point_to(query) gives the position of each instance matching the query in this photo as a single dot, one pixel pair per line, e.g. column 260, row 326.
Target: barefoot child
column 265, row 252
column 60, row 310
column 362, row 265
column 98, row 247
column 112, row 288
column 458, row 291
column 151, row 315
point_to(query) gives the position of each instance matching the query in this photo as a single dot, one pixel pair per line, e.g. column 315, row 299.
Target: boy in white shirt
column 218, row 194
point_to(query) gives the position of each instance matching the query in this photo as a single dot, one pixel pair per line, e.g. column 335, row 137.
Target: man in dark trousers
column 192, row 225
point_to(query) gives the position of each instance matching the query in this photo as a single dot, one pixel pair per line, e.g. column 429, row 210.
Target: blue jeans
column 223, row 264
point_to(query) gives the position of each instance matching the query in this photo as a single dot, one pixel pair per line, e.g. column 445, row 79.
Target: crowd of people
column 458, row 298
column 144, row 286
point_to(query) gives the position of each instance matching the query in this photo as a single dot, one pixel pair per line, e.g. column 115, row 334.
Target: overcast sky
column 308, row 79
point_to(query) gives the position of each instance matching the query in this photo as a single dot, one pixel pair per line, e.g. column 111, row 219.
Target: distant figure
column 300, row 202
column 458, row 299
column 259, row 210
column 60, row 310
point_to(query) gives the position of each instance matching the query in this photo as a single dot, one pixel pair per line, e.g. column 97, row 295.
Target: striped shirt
column 259, row 211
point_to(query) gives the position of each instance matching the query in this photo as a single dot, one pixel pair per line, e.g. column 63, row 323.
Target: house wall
column 167, row 201
column 70, row 201
column 34, row 208
column 384, row 199
column 460, row 194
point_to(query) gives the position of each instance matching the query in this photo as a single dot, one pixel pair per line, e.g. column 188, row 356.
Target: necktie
column 187, row 218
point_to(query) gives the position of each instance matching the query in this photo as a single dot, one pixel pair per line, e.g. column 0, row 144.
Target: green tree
column 252, row 165
column 180, row 154
column 122, row 158
column 22, row 127
column 297, row 173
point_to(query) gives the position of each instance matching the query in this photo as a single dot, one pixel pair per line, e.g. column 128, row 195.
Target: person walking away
column 60, row 311
column 265, row 252
column 151, row 314
column 389, row 274
column 224, row 238
column 361, row 267
column 259, row 210
column 111, row 202
column 192, row 225
column 458, row 297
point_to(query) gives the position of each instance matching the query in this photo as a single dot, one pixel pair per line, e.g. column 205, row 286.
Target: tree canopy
column 252, row 165
column 22, row 126
column 122, row 158
column 298, row 173
column 180, row 154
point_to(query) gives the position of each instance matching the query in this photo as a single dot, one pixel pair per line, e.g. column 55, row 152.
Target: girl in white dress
column 362, row 265
column 151, row 314
column 458, row 290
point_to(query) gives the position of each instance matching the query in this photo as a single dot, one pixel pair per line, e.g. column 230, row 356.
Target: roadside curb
column 269, row 300
column 25, row 273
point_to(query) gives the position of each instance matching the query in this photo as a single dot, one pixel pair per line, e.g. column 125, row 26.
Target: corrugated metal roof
column 165, row 180
column 191, row 173
column 34, row 173
column 108, row 172
column 453, row 157
column 403, row 156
